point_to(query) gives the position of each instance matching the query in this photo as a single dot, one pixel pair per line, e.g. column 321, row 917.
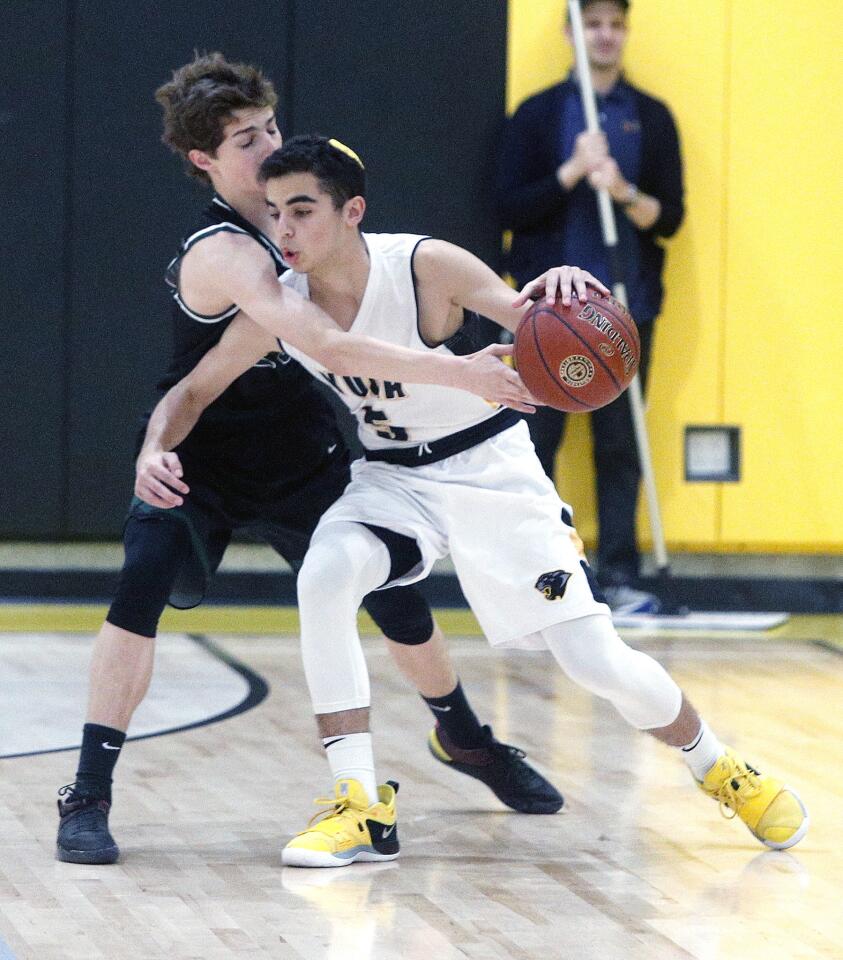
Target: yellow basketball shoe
column 352, row 830
column 773, row 812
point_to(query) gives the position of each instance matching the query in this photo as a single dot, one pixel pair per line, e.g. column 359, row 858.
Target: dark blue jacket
column 532, row 203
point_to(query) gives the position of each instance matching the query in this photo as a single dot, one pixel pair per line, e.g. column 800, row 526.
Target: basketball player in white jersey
column 458, row 476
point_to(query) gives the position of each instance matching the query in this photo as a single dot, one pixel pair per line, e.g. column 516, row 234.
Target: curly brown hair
column 202, row 97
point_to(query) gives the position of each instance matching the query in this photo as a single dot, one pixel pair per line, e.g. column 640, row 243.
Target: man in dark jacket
column 550, row 170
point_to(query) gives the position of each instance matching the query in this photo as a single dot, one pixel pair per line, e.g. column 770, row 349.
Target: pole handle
column 610, row 239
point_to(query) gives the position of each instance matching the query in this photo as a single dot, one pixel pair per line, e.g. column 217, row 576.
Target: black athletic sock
column 455, row 716
column 100, row 749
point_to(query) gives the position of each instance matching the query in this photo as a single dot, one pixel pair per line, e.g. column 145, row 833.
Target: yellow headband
column 347, row 151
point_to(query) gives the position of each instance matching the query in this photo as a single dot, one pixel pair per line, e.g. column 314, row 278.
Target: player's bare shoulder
column 437, row 320
column 441, row 270
column 446, row 267
column 209, row 268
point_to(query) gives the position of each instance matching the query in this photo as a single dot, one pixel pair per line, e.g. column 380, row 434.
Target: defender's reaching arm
column 231, row 266
column 158, row 471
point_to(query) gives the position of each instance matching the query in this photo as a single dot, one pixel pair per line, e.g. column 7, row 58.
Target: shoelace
column 76, row 804
column 71, row 800
column 729, row 797
column 339, row 807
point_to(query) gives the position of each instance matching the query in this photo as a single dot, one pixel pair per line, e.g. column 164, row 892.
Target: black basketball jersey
column 270, row 429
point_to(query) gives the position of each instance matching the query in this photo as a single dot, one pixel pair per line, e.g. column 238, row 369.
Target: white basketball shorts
column 496, row 512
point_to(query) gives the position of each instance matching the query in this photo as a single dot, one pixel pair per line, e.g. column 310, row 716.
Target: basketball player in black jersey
column 266, row 455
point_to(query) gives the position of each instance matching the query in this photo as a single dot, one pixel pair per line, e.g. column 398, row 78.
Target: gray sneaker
column 624, row 600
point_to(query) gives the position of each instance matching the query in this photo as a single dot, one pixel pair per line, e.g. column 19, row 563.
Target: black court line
column 828, row 645
column 257, row 693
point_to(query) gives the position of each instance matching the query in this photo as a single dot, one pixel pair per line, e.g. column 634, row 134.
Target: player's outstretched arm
column 245, row 275
column 158, row 471
column 450, row 276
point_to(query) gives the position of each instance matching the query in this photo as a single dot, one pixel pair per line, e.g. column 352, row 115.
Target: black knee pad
column 156, row 547
column 402, row 613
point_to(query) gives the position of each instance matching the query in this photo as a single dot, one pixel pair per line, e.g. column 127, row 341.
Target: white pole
column 610, row 238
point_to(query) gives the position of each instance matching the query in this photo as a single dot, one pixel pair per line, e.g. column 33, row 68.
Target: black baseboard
column 791, row 595
column 750, row 594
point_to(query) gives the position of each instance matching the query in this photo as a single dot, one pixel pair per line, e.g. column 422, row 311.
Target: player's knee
column 345, row 561
column 402, row 614
column 653, row 699
column 155, row 549
column 652, row 709
column 139, row 600
column 322, row 570
column 603, row 673
column 592, row 654
column 326, row 576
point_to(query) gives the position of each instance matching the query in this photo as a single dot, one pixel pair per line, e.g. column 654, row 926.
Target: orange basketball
column 580, row 357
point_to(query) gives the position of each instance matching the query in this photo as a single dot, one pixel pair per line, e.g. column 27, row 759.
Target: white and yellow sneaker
column 352, row 830
column 773, row 812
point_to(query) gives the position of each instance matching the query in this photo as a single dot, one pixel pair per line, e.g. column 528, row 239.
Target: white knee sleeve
column 592, row 654
column 345, row 561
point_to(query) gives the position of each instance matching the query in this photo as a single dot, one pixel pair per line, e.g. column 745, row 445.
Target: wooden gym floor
column 638, row 864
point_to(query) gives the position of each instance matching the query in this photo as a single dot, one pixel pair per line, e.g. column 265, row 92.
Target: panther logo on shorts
column 553, row 584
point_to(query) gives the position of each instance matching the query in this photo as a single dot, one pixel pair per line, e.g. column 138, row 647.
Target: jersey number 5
column 383, row 428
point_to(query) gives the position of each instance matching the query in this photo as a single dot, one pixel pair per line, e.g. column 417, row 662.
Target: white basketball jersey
column 392, row 414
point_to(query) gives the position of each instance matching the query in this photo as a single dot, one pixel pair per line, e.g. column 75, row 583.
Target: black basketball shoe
column 83, row 829
column 502, row 768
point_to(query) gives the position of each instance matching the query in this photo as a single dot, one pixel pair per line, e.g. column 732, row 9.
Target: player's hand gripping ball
column 580, row 357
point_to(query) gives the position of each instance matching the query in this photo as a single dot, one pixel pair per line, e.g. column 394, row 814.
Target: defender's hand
column 157, row 477
column 489, row 377
column 560, row 282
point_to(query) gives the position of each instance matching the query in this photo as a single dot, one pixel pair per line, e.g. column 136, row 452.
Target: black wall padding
column 33, row 309
column 93, row 205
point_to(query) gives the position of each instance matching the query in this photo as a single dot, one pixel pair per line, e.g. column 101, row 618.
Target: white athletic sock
column 702, row 752
column 351, row 758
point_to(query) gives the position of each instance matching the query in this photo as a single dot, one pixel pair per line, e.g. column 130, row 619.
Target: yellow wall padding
column 750, row 334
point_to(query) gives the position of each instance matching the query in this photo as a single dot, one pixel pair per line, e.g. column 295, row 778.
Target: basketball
column 580, row 357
